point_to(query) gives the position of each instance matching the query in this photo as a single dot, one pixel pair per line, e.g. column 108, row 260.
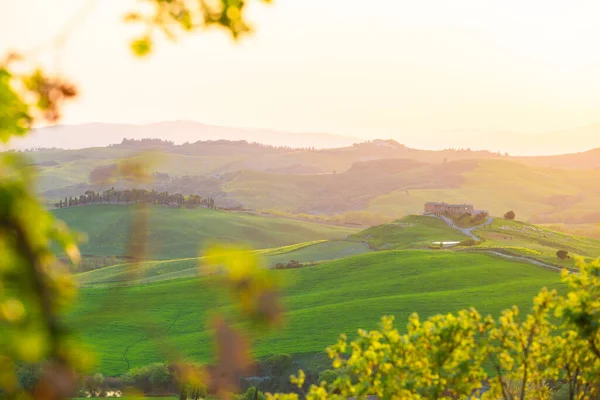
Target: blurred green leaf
column 14, row 112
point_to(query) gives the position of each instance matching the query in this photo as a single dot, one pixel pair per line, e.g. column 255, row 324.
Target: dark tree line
column 137, row 196
column 146, row 142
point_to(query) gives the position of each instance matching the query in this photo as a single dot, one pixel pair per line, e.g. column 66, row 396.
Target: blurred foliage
column 276, row 365
column 253, row 288
column 35, row 285
column 174, row 17
column 14, row 116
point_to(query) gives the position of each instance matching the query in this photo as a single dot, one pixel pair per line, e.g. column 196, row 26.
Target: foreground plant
column 35, row 287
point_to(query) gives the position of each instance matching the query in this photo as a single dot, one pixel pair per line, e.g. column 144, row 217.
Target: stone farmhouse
column 453, row 209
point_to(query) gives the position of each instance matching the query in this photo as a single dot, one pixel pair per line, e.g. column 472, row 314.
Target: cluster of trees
column 146, row 142
column 563, row 254
column 244, row 143
column 156, row 378
column 468, row 150
column 510, row 215
column 289, row 265
column 161, row 176
column 466, row 220
column 153, row 142
column 90, row 263
column 468, row 242
column 137, row 196
column 169, row 379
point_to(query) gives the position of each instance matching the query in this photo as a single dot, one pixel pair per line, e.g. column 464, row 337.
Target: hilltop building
column 454, row 209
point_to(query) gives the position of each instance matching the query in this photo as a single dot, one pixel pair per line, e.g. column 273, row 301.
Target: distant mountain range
column 104, row 134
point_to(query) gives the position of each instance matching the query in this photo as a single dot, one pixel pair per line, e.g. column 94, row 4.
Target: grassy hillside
column 322, row 301
column 180, row 233
column 544, row 194
column 412, row 231
column 153, row 271
column 349, row 190
column 536, row 241
column 384, row 177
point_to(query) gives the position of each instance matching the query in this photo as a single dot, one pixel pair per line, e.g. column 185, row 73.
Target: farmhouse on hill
column 454, row 209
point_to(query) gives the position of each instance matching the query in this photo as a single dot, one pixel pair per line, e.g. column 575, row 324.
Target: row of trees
column 137, row 196
column 156, row 378
column 169, row 379
column 152, row 142
column 146, row 142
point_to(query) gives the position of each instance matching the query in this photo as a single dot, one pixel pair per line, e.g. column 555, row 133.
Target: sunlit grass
column 322, row 302
column 152, row 271
column 180, row 233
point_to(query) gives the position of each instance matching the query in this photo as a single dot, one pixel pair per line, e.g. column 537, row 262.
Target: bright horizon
column 432, row 74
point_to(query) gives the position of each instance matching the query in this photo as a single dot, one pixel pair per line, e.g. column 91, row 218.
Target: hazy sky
column 370, row 68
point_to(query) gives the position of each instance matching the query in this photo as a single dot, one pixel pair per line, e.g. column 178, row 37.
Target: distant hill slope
column 538, row 242
column 322, row 302
column 534, row 193
column 104, row 134
column 179, row 233
column 584, row 160
column 379, row 176
column 389, row 186
column 60, row 169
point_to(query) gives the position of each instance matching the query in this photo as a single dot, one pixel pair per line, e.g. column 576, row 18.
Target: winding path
column 469, row 232
column 465, row 231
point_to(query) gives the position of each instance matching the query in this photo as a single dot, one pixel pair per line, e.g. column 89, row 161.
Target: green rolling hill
column 536, row 241
column 380, row 177
column 410, row 232
column 153, row 271
column 182, row 233
column 519, row 238
column 127, row 324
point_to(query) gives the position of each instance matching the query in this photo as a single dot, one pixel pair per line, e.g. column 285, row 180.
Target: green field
column 153, row 271
column 412, row 231
column 127, row 324
column 536, row 241
column 517, row 237
column 182, row 233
